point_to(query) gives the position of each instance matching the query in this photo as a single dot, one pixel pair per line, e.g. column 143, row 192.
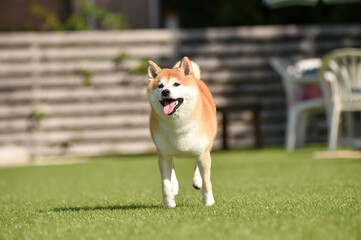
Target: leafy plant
column 141, row 68
column 120, row 57
column 37, row 115
column 51, row 20
column 78, row 20
column 64, row 145
column 106, row 19
column 87, row 76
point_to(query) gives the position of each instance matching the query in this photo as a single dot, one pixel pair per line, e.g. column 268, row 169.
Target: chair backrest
column 341, row 68
column 292, row 72
column 280, row 65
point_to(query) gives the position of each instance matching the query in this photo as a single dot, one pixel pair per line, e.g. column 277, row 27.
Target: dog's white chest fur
column 182, row 124
column 180, row 139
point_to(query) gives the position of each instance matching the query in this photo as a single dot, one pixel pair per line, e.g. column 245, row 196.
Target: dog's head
column 172, row 91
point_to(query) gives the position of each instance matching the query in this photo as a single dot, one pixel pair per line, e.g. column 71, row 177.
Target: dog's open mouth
column 170, row 106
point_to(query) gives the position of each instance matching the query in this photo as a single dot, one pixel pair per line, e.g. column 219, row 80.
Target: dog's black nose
column 165, row 93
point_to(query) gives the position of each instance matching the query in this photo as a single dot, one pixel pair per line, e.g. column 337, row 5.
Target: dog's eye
column 176, row 84
column 160, row 85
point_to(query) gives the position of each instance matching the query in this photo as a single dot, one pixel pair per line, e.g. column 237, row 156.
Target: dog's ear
column 153, row 70
column 185, row 67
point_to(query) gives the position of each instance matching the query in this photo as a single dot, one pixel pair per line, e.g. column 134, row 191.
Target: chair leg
column 334, row 128
column 291, row 130
column 301, row 129
column 350, row 124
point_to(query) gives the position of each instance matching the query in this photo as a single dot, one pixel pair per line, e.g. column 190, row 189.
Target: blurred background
column 42, row 15
column 73, row 73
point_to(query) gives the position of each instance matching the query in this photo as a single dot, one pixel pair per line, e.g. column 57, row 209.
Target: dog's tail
column 195, row 67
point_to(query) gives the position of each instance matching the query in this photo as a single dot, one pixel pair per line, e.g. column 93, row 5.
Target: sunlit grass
column 266, row 194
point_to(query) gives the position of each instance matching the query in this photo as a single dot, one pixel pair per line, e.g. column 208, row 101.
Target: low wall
column 84, row 93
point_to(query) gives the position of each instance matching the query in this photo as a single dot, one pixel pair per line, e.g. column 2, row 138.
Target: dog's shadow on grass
column 111, row 208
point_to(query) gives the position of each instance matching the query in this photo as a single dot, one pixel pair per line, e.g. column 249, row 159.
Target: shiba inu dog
column 183, row 123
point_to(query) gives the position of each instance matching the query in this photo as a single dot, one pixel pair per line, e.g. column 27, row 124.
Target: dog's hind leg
column 204, row 164
column 174, row 181
column 197, row 179
column 166, row 167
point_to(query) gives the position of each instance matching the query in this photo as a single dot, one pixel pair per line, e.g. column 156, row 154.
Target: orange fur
column 205, row 110
column 208, row 116
column 187, row 130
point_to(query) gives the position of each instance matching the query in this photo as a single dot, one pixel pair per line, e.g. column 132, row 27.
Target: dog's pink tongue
column 169, row 106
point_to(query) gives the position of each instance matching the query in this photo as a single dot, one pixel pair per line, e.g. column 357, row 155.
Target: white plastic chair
column 295, row 77
column 341, row 72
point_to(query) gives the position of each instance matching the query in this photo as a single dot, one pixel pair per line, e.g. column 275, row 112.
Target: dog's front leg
column 165, row 166
column 197, row 179
column 204, row 164
column 174, row 181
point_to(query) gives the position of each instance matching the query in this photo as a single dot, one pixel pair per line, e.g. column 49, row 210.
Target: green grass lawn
column 266, row 194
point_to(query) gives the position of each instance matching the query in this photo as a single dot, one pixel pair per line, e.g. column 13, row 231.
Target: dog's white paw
column 175, row 187
column 197, row 183
column 197, row 179
column 208, row 201
column 169, row 204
